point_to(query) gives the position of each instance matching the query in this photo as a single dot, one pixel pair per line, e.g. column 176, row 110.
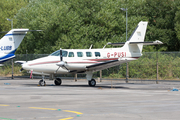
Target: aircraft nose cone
column 25, row 66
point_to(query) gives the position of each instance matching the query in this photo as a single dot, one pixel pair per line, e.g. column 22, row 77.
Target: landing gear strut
column 92, row 82
column 57, row 81
column 42, row 82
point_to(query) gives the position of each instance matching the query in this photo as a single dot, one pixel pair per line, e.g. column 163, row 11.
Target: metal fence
column 151, row 66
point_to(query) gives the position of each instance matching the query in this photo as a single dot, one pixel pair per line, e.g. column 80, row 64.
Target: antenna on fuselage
column 107, row 44
column 91, row 46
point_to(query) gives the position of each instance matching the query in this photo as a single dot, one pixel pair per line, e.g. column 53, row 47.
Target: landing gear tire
column 42, row 83
column 58, row 81
column 92, row 82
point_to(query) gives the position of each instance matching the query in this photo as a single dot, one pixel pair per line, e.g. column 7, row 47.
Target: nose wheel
column 42, row 83
column 92, row 82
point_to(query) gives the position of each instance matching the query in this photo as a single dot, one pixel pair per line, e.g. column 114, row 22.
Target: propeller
column 21, row 70
column 61, row 63
column 61, row 57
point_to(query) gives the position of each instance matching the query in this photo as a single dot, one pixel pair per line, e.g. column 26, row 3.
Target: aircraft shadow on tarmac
column 98, row 86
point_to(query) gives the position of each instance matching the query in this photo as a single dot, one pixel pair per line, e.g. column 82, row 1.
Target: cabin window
column 57, row 53
column 97, row 54
column 79, row 54
column 88, row 54
column 71, row 54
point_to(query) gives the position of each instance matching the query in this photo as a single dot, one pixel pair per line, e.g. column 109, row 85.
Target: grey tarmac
column 23, row 99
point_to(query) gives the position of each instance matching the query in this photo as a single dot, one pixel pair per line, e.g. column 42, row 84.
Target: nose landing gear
column 42, row 83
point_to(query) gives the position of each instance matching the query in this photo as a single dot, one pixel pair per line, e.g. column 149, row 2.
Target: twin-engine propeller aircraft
column 10, row 42
column 87, row 61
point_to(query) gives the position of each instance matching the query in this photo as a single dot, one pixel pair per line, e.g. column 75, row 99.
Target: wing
column 108, row 64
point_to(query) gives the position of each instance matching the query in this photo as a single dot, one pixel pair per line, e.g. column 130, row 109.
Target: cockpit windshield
column 57, row 53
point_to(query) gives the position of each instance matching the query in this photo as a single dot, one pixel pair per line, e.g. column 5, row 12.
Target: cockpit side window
column 79, row 54
column 97, row 54
column 71, row 54
column 57, row 53
column 88, row 54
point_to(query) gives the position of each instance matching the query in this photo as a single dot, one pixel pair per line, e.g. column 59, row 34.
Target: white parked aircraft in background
column 10, row 42
column 87, row 61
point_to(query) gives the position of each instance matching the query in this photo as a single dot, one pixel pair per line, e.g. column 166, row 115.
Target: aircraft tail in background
column 10, row 42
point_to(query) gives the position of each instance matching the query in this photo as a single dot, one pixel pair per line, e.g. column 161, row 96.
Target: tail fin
column 137, row 36
column 10, row 42
column 139, row 33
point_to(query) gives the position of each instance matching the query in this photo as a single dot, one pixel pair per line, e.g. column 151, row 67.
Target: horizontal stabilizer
column 19, row 30
column 157, row 42
column 28, row 31
column 20, row 62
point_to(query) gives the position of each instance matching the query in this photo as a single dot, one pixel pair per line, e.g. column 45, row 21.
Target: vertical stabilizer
column 139, row 33
column 10, row 42
column 137, row 36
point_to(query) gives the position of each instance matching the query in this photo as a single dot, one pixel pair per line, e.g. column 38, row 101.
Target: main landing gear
column 57, row 81
column 92, row 82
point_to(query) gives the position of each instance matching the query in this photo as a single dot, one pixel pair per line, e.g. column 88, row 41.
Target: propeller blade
column 61, row 63
column 21, row 69
column 66, row 68
column 57, row 69
column 61, row 57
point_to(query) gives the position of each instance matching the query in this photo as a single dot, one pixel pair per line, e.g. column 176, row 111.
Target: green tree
column 8, row 9
column 161, row 15
column 74, row 24
column 177, row 23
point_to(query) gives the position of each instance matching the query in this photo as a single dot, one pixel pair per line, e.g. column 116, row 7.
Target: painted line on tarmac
column 3, row 105
column 6, row 118
column 66, row 118
column 78, row 113
column 46, row 109
column 73, row 112
column 56, row 109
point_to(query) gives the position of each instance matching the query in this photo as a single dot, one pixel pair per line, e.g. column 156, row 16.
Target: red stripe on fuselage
column 80, row 62
column 50, row 62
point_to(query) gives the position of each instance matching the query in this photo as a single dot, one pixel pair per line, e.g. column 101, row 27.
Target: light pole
column 11, row 22
column 126, row 10
column 12, row 59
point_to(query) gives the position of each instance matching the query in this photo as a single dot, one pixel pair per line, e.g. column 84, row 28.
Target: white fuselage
column 77, row 59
